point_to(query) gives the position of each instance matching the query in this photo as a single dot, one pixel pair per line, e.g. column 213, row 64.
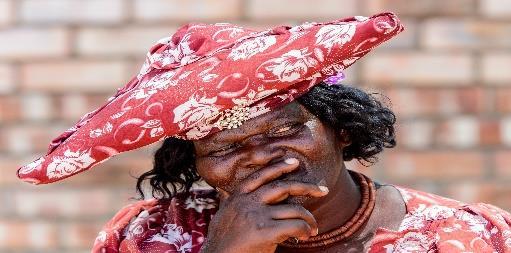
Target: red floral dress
column 431, row 224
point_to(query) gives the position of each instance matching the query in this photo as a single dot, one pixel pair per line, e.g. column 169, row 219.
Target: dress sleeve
column 177, row 224
column 476, row 228
column 110, row 237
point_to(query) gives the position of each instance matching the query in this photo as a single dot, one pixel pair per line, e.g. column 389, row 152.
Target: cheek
column 319, row 147
column 313, row 127
column 215, row 171
column 318, row 141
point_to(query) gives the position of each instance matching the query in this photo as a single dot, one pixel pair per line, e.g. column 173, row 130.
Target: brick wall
column 448, row 77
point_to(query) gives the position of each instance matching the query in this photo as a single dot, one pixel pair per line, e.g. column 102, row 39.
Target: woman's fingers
column 267, row 174
column 284, row 229
column 277, row 191
column 294, row 211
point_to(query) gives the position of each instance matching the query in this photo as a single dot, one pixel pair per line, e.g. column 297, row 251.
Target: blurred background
column 448, row 77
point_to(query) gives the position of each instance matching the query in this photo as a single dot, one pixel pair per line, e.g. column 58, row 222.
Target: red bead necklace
column 360, row 217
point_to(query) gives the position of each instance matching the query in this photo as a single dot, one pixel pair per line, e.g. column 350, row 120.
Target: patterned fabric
column 431, row 224
column 438, row 224
column 206, row 78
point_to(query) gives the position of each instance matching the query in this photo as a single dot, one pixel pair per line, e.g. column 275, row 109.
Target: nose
column 261, row 153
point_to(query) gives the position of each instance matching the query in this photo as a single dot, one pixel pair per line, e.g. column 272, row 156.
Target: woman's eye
column 285, row 130
column 224, row 150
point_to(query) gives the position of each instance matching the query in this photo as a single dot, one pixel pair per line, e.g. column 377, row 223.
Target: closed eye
column 224, row 150
column 285, row 130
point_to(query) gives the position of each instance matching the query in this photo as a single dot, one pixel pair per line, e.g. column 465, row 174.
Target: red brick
column 489, row 133
column 495, row 68
column 458, row 132
column 72, row 11
column 319, row 10
column 466, row 191
column 415, row 134
column 125, row 196
column 30, row 138
column 71, row 107
column 27, row 235
column 7, row 202
column 422, row 69
column 495, row 193
column 472, row 100
column 502, row 101
column 33, row 43
column 36, row 107
column 426, row 101
column 134, row 41
column 62, row 76
column 8, row 233
column 6, row 79
column 17, row 140
column 187, row 11
column 503, row 163
column 505, row 134
column 439, row 165
column 52, row 201
column 406, row 39
column 6, row 12
column 424, row 185
column 408, row 102
column 8, row 168
column 459, row 34
column 495, row 8
column 422, row 8
column 9, row 108
column 79, row 235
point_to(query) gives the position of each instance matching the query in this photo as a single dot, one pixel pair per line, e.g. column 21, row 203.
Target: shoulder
column 153, row 219
column 449, row 225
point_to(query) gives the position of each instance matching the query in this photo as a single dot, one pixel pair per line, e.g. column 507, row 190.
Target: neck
column 330, row 213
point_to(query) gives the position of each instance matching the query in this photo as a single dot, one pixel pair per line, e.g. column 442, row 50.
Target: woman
column 276, row 164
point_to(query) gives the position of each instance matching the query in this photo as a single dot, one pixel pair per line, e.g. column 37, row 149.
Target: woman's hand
column 248, row 219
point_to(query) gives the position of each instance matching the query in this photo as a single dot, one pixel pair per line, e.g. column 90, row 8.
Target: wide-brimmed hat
column 209, row 77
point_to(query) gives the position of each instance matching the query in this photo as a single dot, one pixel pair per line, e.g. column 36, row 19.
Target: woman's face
column 228, row 156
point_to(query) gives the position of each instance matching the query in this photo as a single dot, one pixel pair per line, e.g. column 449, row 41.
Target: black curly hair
column 368, row 122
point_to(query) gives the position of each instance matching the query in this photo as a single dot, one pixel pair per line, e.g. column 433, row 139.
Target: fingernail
column 291, row 160
column 323, row 188
column 316, row 232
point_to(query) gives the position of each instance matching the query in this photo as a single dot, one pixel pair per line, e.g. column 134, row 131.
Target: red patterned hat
column 206, row 78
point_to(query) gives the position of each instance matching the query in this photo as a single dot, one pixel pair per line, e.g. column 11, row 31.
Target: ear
column 344, row 138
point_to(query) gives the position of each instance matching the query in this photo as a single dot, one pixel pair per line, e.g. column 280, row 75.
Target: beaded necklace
column 360, row 217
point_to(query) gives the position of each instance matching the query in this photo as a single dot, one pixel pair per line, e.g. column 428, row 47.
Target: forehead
column 290, row 112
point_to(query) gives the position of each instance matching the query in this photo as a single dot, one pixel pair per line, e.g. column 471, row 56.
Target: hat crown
column 194, row 41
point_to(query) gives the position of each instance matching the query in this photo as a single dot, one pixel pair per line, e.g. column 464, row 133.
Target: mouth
column 292, row 175
column 299, row 175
